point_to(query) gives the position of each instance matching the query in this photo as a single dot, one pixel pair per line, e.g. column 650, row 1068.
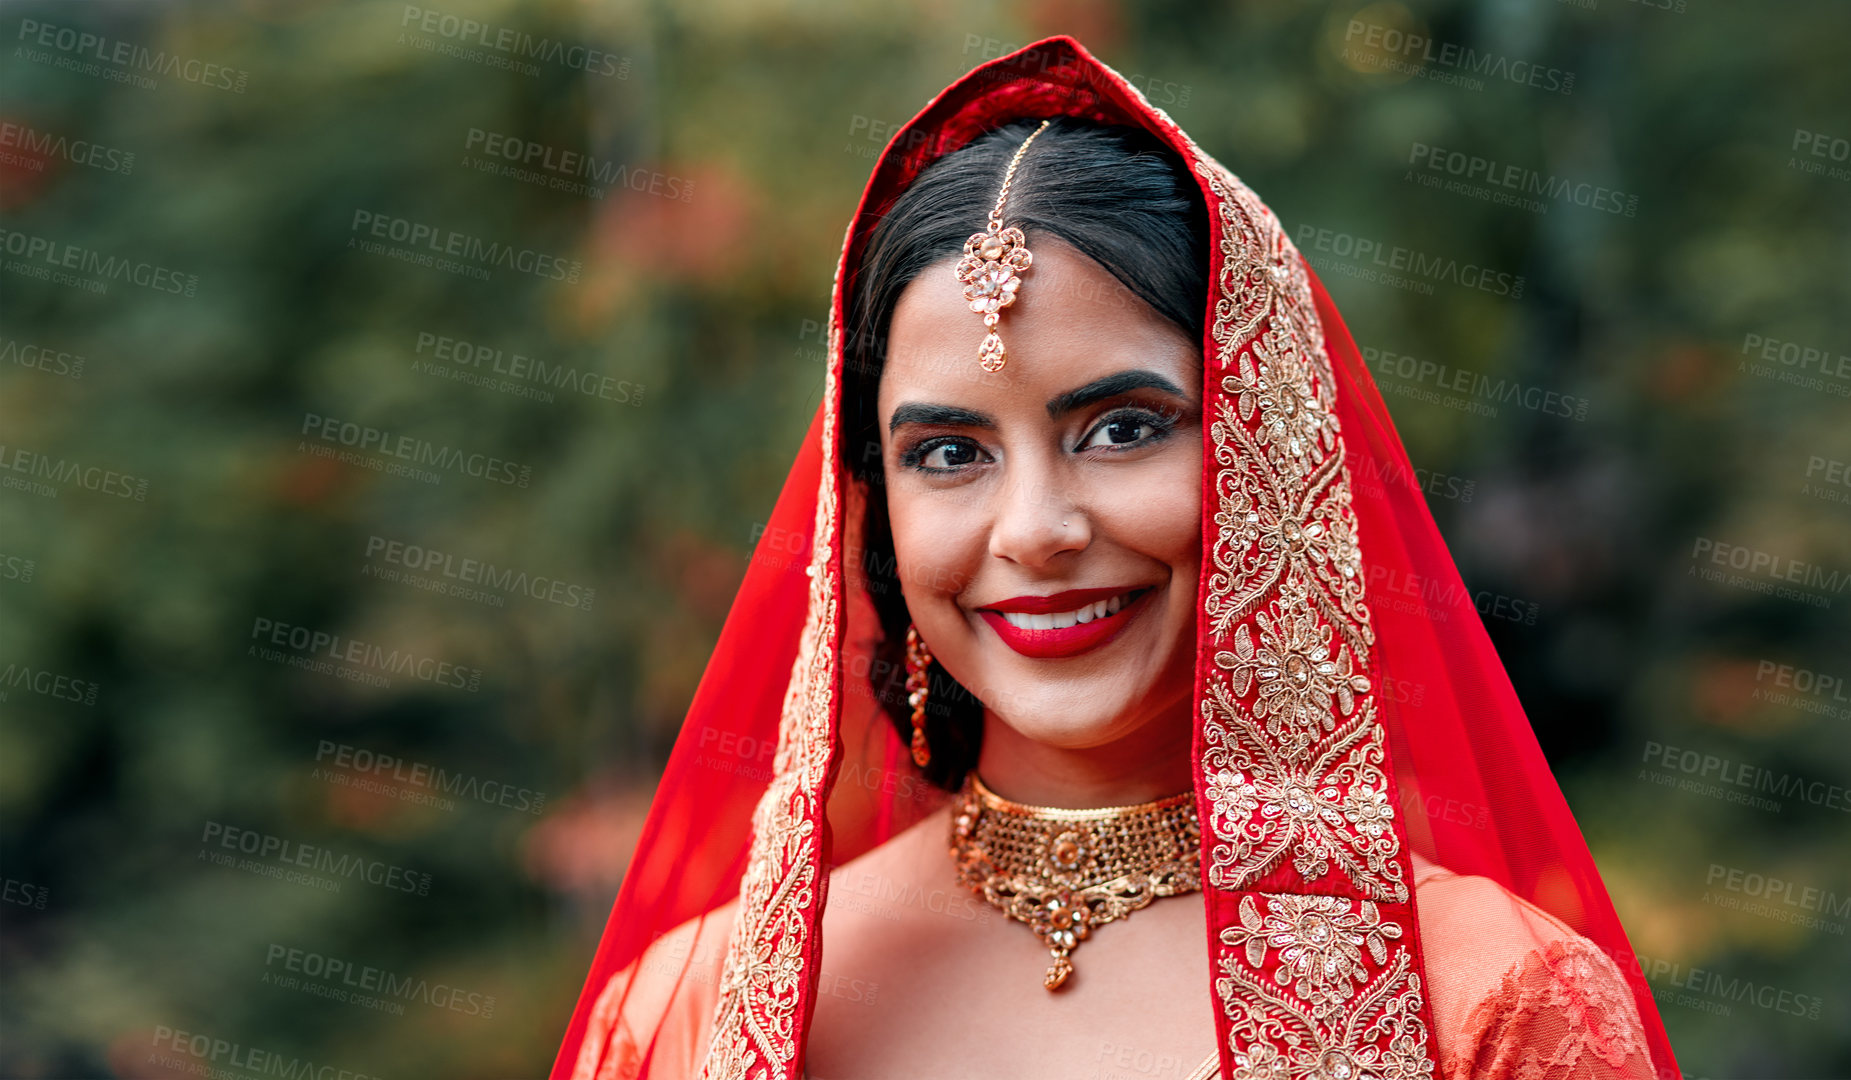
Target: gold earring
column 918, row 683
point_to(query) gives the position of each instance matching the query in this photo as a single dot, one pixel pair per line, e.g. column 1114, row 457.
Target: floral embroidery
column 1321, row 987
column 1328, row 812
column 1320, row 941
column 1370, row 811
column 1275, row 380
column 1298, row 679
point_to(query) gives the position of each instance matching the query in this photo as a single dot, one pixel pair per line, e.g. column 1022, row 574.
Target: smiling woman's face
column 1046, row 518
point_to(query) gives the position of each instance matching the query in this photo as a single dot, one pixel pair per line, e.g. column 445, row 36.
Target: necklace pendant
column 1058, row 970
column 1063, row 872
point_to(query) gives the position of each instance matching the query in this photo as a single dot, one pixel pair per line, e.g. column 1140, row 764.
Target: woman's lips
column 1042, row 641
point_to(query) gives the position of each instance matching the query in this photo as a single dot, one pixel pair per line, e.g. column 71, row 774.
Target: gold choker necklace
column 1066, row 872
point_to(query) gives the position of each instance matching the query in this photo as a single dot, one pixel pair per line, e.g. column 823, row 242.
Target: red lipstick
column 1069, row 640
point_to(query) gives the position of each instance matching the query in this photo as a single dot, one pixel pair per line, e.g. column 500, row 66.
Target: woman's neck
column 1150, row 763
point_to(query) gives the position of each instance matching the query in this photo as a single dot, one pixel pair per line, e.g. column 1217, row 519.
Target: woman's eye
column 1127, row 429
column 945, row 455
column 949, row 456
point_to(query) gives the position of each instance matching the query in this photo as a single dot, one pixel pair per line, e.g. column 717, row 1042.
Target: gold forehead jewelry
column 993, row 263
column 1066, row 872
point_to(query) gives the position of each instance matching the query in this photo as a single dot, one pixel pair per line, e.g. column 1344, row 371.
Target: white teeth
column 1060, row 620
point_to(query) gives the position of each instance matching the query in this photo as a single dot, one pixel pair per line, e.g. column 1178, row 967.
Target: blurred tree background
column 239, row 434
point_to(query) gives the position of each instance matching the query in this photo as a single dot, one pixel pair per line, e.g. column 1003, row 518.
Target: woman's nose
column 1036, row 521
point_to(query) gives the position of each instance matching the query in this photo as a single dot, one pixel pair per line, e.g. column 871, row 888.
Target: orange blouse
column 1516, row 994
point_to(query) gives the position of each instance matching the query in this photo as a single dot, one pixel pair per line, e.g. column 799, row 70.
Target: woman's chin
column 1086, row 735
column 1067, row 716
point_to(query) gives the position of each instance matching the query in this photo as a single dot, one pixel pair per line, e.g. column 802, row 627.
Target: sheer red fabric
column 1412, row 813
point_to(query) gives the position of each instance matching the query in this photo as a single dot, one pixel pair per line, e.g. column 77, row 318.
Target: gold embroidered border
column 763, row 983
column 1321, row 986
column 1293, row 757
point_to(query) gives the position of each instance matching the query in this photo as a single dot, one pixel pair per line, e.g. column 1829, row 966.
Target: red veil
column 1325, row 586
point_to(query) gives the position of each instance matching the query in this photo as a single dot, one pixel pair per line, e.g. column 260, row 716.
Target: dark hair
column 1115, row 193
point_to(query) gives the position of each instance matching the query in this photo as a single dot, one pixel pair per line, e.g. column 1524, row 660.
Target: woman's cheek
column 930, row 546
column 1167, row 527
column 1178, row 516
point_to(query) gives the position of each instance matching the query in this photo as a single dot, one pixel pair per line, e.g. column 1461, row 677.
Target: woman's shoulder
column 1516, row 992
column 666, row 996
column 670, row 991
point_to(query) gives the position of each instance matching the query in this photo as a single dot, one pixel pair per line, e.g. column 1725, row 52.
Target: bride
column 1121, row 713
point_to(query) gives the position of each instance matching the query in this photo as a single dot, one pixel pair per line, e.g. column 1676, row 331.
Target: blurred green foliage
column 142, row 719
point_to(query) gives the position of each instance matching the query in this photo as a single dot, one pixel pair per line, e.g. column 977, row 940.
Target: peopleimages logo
column 1513, row 182
column 409, row 448
column 1374, row 45
column 361, row 762
column 1367, row 255
column 449, row 249
column 1483, row 393
column 1416, row 593
column 312, row 645
column 48, row 260
column 1705, row 773
column 458, row 576
column 1768, row 572
column 1808, row 366
column 516, row 373
column 236, row 1055
column 277, row 853
column 346, row 980
column 1674, row 976
column 45, row 683
column 1371, row 477
column 24, row 893
column 37, row 147
column 520, row 155
column 34, row 467
column 515, row 43
column 1792, row 898
column 128, row 60
column 1802, row 689
column 1818, row 144
column 46, row 358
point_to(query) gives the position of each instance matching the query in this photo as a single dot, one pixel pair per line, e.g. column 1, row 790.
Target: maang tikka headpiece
column 992, row 266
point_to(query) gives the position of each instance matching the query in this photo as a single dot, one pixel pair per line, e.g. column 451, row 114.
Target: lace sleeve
column 1563, row 1012
column 1517, row 994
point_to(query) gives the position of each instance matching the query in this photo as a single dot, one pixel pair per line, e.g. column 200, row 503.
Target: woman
column 1101, row 618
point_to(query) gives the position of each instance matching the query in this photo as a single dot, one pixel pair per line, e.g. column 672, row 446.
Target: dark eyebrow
column 938, row 415
column 1111, row 386
column 914, row 412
